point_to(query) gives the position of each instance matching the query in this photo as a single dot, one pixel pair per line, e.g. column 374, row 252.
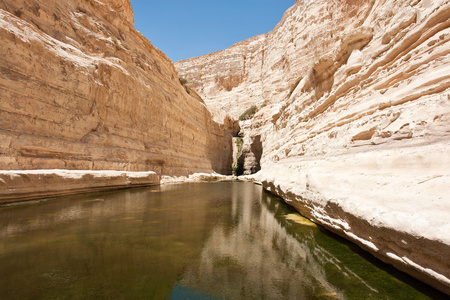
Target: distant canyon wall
column 353, row 127
column 80, row 88
column 231, row 80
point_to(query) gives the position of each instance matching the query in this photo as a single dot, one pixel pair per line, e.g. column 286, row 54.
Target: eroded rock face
column 121, row 6
column 356, row 131
column 230, row 80
column 80, row 88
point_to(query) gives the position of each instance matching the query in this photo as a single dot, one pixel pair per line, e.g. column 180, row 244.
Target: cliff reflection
column 254, row 256
column 130, row 244
column 266, row 251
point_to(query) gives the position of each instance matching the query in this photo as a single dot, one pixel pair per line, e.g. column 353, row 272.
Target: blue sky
column 184, row 29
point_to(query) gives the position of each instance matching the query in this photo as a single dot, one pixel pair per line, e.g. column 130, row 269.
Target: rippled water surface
column 228, row 240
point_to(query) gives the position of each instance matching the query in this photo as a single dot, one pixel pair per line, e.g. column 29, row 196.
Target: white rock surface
column 197, row 177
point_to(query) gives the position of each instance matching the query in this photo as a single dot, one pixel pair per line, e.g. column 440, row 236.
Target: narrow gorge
column 343, row 110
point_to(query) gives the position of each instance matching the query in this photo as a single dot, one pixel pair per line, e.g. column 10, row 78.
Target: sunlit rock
column 81, row 89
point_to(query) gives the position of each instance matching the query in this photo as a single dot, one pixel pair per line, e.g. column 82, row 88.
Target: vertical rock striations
column 80, row 88
column 355, row 127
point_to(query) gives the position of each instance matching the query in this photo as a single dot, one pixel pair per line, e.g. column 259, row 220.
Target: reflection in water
column 197, row 241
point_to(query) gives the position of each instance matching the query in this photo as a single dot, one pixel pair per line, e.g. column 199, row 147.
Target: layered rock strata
column 353, row 127
column 229, row 81
column 81, row 89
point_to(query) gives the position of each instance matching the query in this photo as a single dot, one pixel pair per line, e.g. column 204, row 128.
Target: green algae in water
column 191, row 241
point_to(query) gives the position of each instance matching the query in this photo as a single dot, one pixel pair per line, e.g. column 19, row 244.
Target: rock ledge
column 23, row 185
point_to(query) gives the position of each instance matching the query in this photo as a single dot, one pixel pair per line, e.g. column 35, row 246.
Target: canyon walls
column 353, row 121
column 81, row 89
column 352, row 127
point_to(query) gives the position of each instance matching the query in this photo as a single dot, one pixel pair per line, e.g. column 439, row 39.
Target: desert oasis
column 341, row 113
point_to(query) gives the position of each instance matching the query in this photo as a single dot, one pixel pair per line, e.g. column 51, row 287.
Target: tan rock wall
column 356, row 131
column 80, row 88
column 121, row 6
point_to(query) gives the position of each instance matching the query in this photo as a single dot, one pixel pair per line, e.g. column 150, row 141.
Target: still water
column 228, row 240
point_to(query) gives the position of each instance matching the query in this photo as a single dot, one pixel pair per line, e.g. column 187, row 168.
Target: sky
column 185, row 29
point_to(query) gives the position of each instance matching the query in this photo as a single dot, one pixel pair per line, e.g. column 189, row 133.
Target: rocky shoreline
column 411, row 237
column 23, row 185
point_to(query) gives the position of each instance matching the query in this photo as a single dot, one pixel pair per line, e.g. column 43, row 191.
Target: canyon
column 352, row 124
column 82, row 89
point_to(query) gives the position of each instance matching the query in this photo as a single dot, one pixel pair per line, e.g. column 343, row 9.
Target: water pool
column 226, row 240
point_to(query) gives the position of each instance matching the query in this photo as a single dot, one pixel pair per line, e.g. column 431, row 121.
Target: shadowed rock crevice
column 251, row 155
column 257, row 150
column 237, row 167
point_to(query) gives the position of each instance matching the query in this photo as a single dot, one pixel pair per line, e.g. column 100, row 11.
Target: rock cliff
column 121, row 6
column 81, row 89
column 353, row 124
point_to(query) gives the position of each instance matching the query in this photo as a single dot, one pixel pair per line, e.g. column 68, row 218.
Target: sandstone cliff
column 80, row 88
column 353, row 128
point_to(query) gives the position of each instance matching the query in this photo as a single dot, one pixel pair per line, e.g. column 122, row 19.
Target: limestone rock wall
column 80, row 88
column 355, row 130
column 265, row 69
column 231, row 80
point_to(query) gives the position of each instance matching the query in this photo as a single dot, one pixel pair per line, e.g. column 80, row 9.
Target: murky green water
column 225, row 240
